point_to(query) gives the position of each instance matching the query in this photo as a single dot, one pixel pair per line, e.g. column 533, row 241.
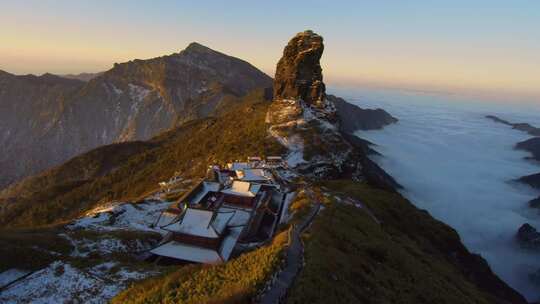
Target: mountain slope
column 531, row 145
column 373, row 246
column 353, row 118
column 46, row 120
column 82, row 76
column 128, row 170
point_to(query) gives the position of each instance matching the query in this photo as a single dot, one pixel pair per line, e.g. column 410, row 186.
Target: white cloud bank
column 456, row 164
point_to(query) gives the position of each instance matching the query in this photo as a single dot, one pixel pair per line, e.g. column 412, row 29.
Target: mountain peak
column 197, row 47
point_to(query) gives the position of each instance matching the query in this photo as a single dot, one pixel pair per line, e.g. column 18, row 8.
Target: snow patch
column 295, row 158
column 11, row 275
column 138, row 93
column 116, row 90
column 122, row 216
column 62, row 283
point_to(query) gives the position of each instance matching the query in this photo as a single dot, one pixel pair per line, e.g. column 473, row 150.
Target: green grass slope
column 409, row 258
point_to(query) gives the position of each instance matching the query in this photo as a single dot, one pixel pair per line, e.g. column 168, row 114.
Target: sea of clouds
column 458, row 165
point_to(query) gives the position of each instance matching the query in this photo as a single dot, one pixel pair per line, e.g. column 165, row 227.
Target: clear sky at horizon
column 487, row 45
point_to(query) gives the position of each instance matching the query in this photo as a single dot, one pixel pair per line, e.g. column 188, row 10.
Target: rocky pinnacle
column 299, row 73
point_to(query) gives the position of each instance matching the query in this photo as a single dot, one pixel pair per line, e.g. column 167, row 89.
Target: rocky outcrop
column 525, row 127
column 535, row 203
column 301, row 117
column 531, row 145
column 299, row 72
column 353, row 118
column 82, row 76
column 532, row 180
column 46, row 120
column 535, row 278
column 317, row 128
column 528, row 237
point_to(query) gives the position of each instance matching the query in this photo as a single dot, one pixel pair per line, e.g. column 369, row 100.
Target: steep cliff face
column 531, row 145
column 353, row 118
column 30, row 108
column 299, row 72
column 48, row 119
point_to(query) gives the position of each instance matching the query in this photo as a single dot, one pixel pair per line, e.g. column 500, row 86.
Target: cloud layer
column 457, row 165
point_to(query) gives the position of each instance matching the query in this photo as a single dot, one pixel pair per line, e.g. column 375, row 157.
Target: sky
column 491, row 46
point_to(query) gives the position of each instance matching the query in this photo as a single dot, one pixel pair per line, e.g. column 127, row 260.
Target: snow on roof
column 207, row 187
column 238, row 166
column 186, row 252
column 201, row 223
column 165, row 219
column 243, row 189
column 221, row 221
column 195, row 222
column 240, row 216
column 224, row 217
column 253, row 175
column 197, row 254
column 229, row 242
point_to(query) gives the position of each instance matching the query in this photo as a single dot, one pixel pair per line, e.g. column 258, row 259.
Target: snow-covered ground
column 122, row 216
column 95, row 246
column 287, row 117
column 11, row 275
column 60, row 282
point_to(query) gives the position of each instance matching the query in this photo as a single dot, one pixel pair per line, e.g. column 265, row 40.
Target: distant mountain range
column 82, row 76
column 45, row 120
column 531, row 145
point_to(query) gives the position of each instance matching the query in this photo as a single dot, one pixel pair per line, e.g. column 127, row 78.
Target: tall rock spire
column 299, row 73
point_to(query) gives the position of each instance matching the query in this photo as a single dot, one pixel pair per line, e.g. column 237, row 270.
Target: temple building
column 239, row 203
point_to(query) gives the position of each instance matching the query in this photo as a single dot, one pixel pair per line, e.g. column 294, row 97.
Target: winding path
column 294, row 259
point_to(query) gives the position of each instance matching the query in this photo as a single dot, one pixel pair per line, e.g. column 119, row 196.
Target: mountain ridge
column 134, row 100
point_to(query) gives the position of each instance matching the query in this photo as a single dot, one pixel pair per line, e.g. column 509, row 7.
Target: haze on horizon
column 484, row 46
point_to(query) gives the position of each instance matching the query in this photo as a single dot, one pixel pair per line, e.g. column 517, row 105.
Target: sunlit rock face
column 300, row 118
column 306, row 121
column 299, row 72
